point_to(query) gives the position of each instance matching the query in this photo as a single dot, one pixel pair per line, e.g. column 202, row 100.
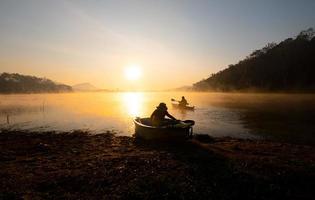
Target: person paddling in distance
column 159, row 114
column 183, row 102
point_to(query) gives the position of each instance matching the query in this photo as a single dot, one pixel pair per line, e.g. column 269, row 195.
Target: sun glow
column 132, row 103
column 133, row 72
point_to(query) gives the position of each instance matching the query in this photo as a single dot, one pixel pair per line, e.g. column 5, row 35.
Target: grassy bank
column 78, row 165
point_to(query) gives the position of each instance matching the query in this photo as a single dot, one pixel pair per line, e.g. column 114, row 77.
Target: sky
column 173, row 42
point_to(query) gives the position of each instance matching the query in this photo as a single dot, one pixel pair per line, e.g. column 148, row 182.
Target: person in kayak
column 183, row 102
column 158, row 115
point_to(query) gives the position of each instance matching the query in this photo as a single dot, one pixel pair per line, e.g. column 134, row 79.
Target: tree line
column 287, row 66
column 17, row 83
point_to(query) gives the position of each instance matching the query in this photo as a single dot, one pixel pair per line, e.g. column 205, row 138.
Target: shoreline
column 77, row 164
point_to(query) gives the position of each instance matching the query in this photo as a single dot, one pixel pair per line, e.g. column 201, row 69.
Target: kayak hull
column 144, row 130
column 177, row 106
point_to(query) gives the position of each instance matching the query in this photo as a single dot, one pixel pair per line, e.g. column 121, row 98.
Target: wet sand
column 78, row 165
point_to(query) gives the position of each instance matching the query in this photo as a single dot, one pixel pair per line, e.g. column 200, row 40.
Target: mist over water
column 280, row 117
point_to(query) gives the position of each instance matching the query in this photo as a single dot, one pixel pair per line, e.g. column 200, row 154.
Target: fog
column 281, row 117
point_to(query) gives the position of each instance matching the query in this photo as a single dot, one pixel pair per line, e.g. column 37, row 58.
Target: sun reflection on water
column 133, row 102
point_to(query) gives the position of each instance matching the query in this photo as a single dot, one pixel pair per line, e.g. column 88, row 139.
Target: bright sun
column 133, row 72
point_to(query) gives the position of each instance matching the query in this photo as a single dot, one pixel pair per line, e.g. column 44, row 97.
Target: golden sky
column 173, row 43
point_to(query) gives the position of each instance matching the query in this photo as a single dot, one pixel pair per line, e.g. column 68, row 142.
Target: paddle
column 174, row 100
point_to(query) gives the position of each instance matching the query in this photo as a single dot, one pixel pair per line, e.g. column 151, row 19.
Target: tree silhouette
column 287, row 66
column 16, row 83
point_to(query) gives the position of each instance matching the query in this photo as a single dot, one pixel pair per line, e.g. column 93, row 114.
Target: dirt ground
column 79, row 165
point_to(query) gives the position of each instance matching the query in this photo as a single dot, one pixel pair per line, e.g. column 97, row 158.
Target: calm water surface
column 282, row 117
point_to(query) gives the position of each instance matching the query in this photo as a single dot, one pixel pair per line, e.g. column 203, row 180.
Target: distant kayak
column 178, row 106
column 173, row 130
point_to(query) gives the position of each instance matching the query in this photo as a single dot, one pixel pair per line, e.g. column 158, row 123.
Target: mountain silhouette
column 17, row 83
column 84, row 87
column 287, row 66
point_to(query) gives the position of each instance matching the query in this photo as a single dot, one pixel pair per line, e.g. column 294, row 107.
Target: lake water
column 281, row 117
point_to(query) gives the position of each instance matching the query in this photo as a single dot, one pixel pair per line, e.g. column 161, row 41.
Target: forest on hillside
column 287, row 66
column 17, row 83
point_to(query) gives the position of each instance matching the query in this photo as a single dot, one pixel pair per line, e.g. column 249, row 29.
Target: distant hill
column 17, row 83
column 287, row 66
column 84, row 87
